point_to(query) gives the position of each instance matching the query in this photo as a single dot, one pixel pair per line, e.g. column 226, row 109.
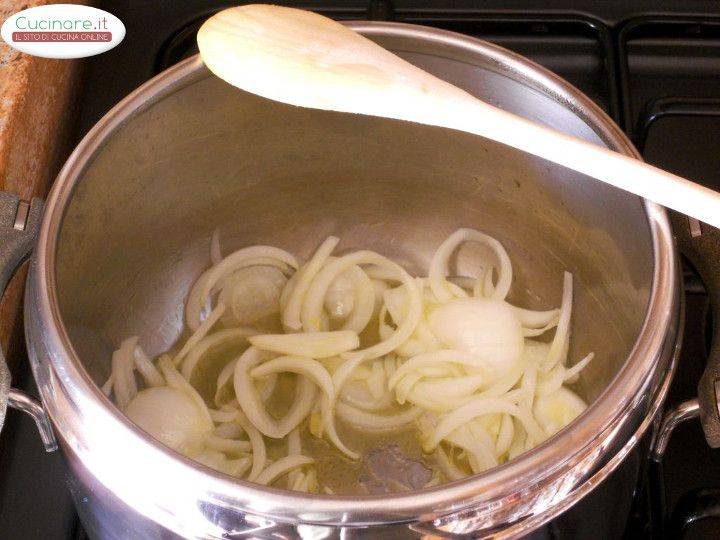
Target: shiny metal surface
column 700, row 243
column 687, row 410
column 19, row 225
column 22, row 402
column 127, row 229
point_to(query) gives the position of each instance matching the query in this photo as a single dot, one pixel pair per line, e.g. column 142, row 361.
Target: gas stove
column 653, row 68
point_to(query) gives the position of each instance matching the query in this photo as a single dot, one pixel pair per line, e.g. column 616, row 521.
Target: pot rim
column 599, row 423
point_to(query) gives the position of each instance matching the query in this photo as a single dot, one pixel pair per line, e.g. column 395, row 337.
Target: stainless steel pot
column 126, row 229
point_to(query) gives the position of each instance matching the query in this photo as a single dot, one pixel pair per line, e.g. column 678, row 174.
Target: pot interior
column 203, row 155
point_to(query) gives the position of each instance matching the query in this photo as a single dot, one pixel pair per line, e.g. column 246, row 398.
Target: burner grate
column 655, row 74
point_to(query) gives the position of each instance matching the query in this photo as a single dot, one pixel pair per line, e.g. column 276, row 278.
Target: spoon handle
column 597, row 162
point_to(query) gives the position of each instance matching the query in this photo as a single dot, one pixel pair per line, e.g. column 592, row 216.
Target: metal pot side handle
column 700, row 243
column 19, row 224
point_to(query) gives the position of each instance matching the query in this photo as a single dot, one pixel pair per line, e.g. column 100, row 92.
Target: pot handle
column 19, row 224
column 700, row 243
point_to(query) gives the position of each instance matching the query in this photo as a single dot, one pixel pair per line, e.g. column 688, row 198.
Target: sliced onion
column 252, row 294
column 171, row 416
column 473, row 438
column 240, row 259
column 376, row 381
column 451, row 387
column 557, row 410
column 505, row 436
column 107, row 386
column 259, row 452
column 228, row 430
column 123, row 369
column 536, row 319
column 377, row 422
column 434, row 358
column 363, row 303
column 340, row 296
column 476, row 385
column 231, row 337
column 247, row 394
column 354, row 394
column 439, row 262
column 223, row 416
column 437, row 403
column 561, row 341
column 310, row 344
column 486, row 328
column 294, row 449
column 534, row 332
column 448, row 468
column 551, row 382
column 478, row 407
column 227, row 446
column 175, row 380
column 147, row 369
column 315, row 297
column 291, row 311
column 199, row 333
column 301, row 407
column 280, row 467
column 315, row 371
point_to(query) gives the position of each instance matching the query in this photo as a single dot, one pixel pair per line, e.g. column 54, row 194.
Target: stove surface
column 654, row 70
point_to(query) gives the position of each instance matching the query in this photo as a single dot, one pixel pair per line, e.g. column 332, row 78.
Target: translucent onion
column 486, row 328
column 305, row 397
column 171, row 416
column 294, row 449
column 354, row 394
column 478, row 407
column 340, row 296
column 434, row 358
column 317, row 373
column 316, row 295
column 227, row 446
column 240, row 259
column 536, row 319
column 561, row 341
column 259, row 452
column 231, row 337
column 448, row 468
column 200, row 332
column 291, row 311
column 377, row 422
column 479, row 392
column 175, row 380
column 123, row 369
column 280, row 467
column 247, row 395
column 439, row 262
column 309, row 344
column 147, row 369
column 557, row 410
column 551, row 382
column 251, row 294
column 363, row 303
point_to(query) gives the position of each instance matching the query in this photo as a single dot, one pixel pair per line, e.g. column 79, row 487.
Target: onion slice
column 291, row 311
column 438, row 266
column 311, row 344
column 282, row 466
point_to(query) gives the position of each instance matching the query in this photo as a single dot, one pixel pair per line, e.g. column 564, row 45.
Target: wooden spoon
column 305, row 59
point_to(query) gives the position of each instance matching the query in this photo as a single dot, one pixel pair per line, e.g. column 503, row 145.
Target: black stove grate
column 655, row 70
